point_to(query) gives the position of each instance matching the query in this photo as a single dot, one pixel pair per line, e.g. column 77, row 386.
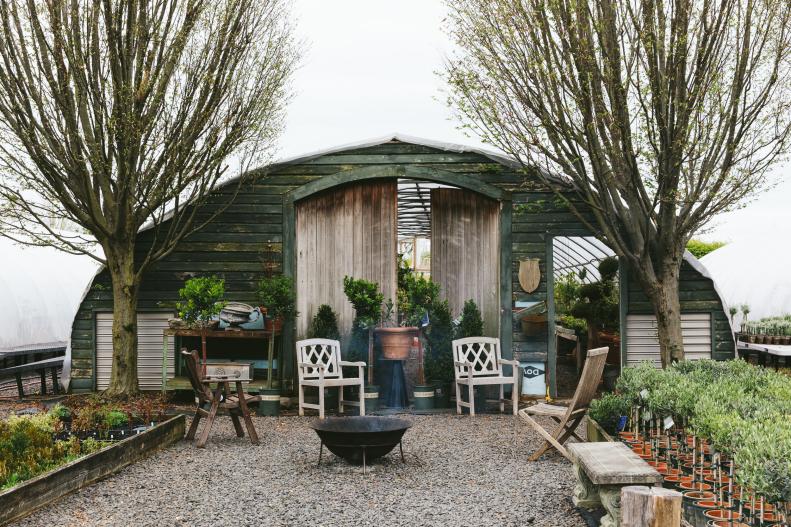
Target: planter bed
column 26, row 497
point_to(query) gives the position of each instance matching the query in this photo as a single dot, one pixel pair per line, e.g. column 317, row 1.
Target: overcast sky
column 370, row 70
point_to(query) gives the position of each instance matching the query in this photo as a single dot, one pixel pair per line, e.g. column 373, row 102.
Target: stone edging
column 28, row 496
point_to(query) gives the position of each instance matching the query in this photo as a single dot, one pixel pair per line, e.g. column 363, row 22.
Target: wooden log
column 650, row 507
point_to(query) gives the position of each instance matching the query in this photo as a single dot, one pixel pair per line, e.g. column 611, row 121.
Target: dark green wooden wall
column 246, row 239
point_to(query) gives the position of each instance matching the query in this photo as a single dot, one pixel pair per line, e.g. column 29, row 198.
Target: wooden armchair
column 319, row 364
column 221, row 397
column 477, row 362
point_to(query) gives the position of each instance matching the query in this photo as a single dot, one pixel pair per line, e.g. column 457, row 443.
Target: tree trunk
column 662, row 289
column 123, row 379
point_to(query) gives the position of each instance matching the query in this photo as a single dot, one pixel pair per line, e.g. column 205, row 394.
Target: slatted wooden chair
column 319, row 364
column 568, row 417
column 477, row 362
column 219, row 398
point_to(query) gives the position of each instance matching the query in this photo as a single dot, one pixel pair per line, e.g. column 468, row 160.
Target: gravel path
column 459, row 471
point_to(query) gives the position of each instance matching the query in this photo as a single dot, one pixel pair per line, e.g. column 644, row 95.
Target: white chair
column 319, row 364
column 477, row 362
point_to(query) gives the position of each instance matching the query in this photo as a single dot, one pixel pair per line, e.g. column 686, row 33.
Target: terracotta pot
column 722, row 514
column 273, row 323
column 396, row 342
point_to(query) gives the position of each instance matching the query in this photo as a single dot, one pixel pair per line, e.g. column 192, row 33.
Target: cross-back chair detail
column 568, row 417
column 219, row 398
column 319, row 364
column 478, row 362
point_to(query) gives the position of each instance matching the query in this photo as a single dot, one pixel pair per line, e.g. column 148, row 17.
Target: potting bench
column 204, row 335
column 765, row 351
column 602, row 469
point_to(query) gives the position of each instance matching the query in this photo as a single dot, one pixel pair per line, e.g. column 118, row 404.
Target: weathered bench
column 40, row 366
column 602, row 469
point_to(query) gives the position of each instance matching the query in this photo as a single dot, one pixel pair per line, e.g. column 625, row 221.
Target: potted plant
column 367, row 300
column 201, row 302
column 277, row 294
column 471, row 325
column 438, row 359
column 324, row 324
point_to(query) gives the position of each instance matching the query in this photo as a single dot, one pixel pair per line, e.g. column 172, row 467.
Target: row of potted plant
column 718, row 431
column 769, row 330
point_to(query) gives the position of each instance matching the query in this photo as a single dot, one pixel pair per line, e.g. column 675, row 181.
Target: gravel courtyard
column 459, row 471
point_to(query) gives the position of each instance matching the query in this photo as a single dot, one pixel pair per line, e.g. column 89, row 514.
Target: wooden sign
column 529, row 274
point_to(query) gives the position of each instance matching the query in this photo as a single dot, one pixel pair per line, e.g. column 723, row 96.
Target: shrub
column 415, row 298
column 115, row 419
column 201, row 299
column 438, row 360
column 27, row 447
column 324, row 324
column 699, row 248
column 608, row 410
column 278, row 295
column 60, row 412
column 471, row 324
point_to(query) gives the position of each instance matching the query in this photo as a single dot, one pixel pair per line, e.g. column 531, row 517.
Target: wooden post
column 650, row 507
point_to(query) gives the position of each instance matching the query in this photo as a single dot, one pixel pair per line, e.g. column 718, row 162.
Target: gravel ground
column 459, row 471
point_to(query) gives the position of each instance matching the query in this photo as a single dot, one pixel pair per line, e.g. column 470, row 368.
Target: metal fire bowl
column 347, row 436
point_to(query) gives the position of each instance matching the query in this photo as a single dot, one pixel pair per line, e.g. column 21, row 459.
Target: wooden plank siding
column 247, row 238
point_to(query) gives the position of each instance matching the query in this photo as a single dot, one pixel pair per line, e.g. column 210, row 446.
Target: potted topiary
column 324, row 324
column 471, row 325
column 438, row 360
column 366, row 299
column 201, row 302
column 277, row 294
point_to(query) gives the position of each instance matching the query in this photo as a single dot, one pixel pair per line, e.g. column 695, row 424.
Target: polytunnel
column 40, row 292
column 745, row 276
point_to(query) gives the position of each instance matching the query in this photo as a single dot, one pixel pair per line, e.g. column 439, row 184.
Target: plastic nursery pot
column 371, row 398
column 270, row 402
column 701, row 507
column 689, row 498
column 722, row 514
column 424, row 396
column 442, row 394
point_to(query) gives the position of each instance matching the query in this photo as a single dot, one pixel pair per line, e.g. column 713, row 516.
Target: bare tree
column 115, row 114
column 661, row 114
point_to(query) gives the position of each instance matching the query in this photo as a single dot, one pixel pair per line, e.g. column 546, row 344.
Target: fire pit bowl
column 360, row 439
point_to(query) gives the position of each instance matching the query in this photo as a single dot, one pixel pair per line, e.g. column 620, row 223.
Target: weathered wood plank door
column 350, row 230
column 465, row 252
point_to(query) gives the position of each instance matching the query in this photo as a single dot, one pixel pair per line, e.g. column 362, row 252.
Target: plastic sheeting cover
column 40, row 292
column 745, row 273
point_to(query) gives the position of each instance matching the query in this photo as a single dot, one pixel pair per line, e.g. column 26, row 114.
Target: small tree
column 122, row 113
column 438, row 361
column 324, row 324
column 646, row 118
column 471, row 323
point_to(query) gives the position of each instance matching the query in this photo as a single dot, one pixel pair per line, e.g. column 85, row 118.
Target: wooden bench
column 40, row 366
column 602, row 469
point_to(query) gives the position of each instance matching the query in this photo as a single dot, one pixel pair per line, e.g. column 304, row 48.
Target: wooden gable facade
column 255, row 236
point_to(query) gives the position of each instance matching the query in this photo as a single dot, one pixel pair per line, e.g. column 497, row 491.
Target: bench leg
column 610, row 496
column 43, row 374
column 586, row 495
column 55, row 388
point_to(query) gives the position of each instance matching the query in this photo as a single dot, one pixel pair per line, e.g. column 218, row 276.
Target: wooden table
column 775, row 350
column 221, row 334
column 50, row 357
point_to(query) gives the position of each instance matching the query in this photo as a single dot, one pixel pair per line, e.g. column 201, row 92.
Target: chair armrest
column 508, row 362
column 351, row 363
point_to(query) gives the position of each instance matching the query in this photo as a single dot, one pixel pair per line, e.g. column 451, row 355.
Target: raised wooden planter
column 26, row 497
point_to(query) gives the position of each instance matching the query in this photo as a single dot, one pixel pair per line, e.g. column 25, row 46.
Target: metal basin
column 359, row 439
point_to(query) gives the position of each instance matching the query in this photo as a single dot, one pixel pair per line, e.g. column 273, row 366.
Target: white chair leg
column 502, row 396
column 472, row 399
column 340, row 399
column 362, row 398
column 515, row 396
column 301, row 400
column 321, row 402
column 458, row 398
